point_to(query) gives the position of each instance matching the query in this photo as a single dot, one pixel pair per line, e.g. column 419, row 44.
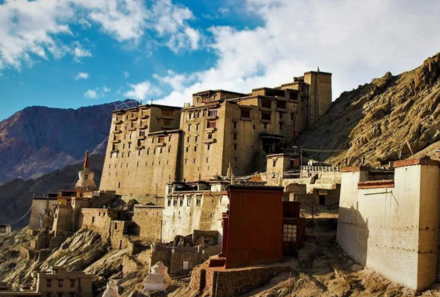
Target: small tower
column 86, row 176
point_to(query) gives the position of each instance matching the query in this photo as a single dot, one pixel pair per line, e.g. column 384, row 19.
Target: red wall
column 255, row 222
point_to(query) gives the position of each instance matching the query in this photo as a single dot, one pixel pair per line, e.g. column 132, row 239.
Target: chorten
column 86, row 176
column 158, row 279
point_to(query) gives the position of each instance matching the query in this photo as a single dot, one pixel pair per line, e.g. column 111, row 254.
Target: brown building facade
column 152, row 145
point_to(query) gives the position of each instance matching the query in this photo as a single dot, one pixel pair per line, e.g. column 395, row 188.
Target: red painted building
column 259, row 227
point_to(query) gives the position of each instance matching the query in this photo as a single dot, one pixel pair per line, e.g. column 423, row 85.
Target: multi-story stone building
column 152, row 145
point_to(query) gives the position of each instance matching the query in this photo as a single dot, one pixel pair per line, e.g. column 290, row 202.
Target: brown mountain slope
column 391, row 118
column 38, row 140
column 16, row 195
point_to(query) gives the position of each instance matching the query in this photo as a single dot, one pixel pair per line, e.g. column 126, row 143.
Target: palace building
column 153, row 145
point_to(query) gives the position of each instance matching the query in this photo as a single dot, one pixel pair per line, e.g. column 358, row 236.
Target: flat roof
column 282, row 154
column 164, row 132
column 250, row 187
column 146, row 106
column 218, row 90
column 320, row 72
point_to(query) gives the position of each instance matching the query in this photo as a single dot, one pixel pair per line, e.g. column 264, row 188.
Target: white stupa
column 158, row 279
column 85, row 181
column 111, row 290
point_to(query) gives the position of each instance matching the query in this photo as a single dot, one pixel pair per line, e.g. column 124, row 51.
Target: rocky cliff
column 391, row 118
column 38, row 140
column 16, row 195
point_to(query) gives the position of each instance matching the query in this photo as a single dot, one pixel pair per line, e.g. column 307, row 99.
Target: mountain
column 38, row 140
column 391, row 118
column 16, row 195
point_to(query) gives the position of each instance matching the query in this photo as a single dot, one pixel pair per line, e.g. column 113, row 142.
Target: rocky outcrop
column 391, row 118
column 38, row 140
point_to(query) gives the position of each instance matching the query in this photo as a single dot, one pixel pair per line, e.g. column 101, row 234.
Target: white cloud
column 82, row 75
column 354, row 40
column 30, row 30
column 80, row 52
column 92, row 94
column 126, row 74
column 142, row 91
column 105, row 89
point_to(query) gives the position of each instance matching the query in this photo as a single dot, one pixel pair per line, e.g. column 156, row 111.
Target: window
column 116, row 226
column 49, row 283
column 167, row 122
column 48, row 294
column 93, row 220
column 207, row 160
column 289, row 233
column 189, row 127
column 72, row 281
column 245, row 113
column 235, row 136
column 274, row 163
column 281, row 104
column 167, row 113
column 60, row 283
column 281, row 126
column 291, row 116
column 235, row 147
column 212, row 113
column 235, row 125
column 198, row 202
column 253, row 126
column 211, row 124
column 196, row 138
column 119, row 183
column 60, row 294
column 266, row 103
column 188, row 201
column 181, row 202
column 174, row 202
column 188, row 138
column 169, row 202
column 209, row 136
column 71, row 294
column 281, row 115
column 197, row 126
column 209, row 147
column 265, row 126
column 158, row 121
column 169, row 149
column 195, row 149
column 161, row 139
column 185, row 265
column 187, row 149
column 265, row 116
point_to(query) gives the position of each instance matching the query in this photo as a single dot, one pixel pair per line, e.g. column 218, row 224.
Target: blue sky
column 72, row 53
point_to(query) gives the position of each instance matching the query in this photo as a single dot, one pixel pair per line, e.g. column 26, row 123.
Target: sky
column 72, row 53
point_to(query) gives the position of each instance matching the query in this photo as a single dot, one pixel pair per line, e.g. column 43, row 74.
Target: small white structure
column 158, row 279
column 5, row 230
column 111, row 290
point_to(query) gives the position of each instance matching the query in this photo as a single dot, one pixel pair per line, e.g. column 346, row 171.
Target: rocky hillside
column 391, row 118
column 16, row 195
column 38, row 140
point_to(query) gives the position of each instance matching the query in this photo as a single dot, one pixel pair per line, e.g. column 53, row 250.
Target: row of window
column 133, row 115
column 70, row 294
column 202, row 113
column 115, row 147
column 60, row 283
column 173, row 202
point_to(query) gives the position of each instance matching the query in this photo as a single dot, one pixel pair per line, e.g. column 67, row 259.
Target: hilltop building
column 152, row 145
